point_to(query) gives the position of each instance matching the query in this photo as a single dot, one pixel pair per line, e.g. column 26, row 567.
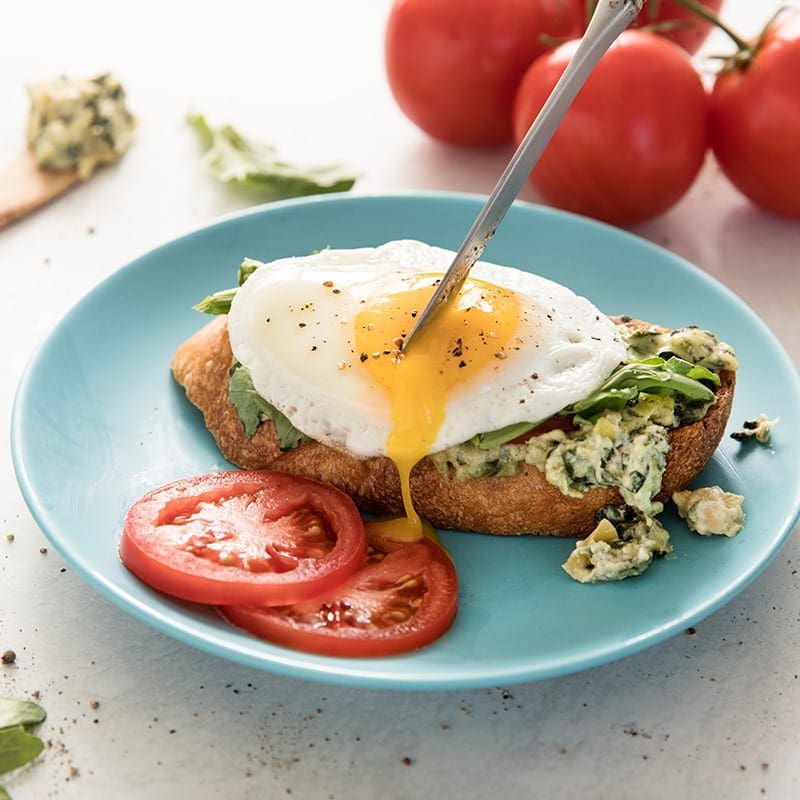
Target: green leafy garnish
column 17, row 745
column 652, row 375
column 252, row 409
column 233, row 159
column 220, row 302
column 17, row 748
column 217, row 303
column 492, row 439
column 20, row 712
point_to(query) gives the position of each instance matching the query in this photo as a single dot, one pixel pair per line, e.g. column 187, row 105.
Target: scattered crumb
column 691, row 631
column 9, row 657
column 759, row 428
column 9, row 537
column 407, row 761
column 43, row 550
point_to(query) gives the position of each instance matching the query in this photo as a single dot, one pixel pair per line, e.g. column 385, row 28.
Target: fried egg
column 321, row 337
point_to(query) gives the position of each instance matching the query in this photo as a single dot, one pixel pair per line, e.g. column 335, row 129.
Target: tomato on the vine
column 246, row 537
column 755, row 120
column 689, row 31
column 402, row 598
column 454, row 65
column 633, row 140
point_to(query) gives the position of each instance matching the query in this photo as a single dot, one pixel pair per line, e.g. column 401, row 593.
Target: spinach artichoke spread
column 78, row 124
column 620, row 439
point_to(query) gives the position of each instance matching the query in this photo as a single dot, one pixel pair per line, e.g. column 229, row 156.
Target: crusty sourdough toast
column 521, row 503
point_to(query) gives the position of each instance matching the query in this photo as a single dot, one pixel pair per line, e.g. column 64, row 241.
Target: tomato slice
column 244, row 537
column 397, row 601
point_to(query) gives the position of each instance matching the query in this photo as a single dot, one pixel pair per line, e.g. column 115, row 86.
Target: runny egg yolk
column 467, row 338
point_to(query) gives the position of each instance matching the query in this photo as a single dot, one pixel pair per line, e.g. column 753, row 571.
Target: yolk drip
column 471, row 334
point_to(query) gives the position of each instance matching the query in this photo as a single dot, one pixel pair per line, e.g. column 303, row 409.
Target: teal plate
column 98, row 421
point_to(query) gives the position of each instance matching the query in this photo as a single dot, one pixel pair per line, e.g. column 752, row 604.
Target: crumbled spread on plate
column 78, row 124
column 611, row 554
column 710, row 510
column 759, row 429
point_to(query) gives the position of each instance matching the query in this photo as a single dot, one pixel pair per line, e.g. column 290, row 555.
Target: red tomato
column 396, row 602
column 755, row 121
column 453, row 65
column 690, row 30
column 635, row 138
column 243, row 537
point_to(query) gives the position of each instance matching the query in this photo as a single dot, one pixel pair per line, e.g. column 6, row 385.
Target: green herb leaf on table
column 17, row 745
column 17, row 748
column 255, row 166
column 14, row 711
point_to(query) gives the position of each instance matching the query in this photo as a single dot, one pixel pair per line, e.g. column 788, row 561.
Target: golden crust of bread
column 521, row 503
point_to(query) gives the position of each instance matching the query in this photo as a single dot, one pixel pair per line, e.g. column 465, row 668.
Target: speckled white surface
column 714, row 712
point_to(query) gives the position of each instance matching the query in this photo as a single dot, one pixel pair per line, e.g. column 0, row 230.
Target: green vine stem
column 746, row 51
column 709, row 16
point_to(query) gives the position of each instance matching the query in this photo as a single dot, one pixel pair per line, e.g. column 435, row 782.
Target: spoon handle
column 610, row 18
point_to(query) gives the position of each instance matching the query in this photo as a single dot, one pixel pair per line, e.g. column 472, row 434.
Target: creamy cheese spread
column 626, row 449
column 691, row 343
column 611, row 555
column 711, row 510
column 77, row 124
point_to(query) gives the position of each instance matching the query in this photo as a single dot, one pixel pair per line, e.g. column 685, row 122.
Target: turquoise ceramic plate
column 98, row 421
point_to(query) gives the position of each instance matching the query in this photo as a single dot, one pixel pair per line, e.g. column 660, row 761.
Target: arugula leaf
column 17, row 748
column 247, row 268
column 217, row 303
column 220, row 302
column 652, row 375
column 14, row 711
column 17, row 745
column 252, row 409
column 492, row 439
column 231, row 158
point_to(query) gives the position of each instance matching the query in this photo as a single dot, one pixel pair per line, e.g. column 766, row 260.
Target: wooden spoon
column 24, row 187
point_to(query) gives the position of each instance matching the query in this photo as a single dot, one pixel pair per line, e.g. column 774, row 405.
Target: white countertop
column 714, row 712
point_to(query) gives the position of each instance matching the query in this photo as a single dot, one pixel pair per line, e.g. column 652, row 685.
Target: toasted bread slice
column 521, row 503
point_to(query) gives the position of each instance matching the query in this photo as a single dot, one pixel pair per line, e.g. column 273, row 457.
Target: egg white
column 291, row 325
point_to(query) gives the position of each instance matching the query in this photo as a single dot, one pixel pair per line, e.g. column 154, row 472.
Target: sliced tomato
column 397, row 601
column 244, row 537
